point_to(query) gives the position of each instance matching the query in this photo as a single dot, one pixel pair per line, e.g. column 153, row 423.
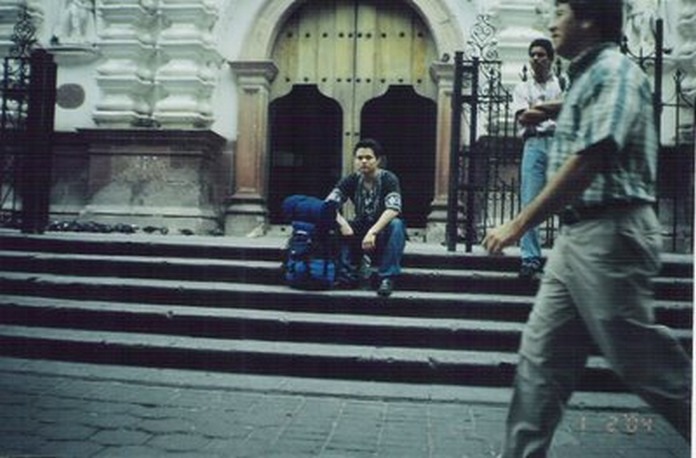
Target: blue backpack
column 310, row 257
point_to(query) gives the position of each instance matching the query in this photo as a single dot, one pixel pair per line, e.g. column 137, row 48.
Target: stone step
column 270, row 249
column 350, row 362
column 219, row 304
column 272, row 325
column 445, row 279
column 218, row 294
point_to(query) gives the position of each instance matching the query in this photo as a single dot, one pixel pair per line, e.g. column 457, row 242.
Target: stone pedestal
column 154, row 177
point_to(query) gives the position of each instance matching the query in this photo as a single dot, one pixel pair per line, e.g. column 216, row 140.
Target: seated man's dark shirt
column 369, row 203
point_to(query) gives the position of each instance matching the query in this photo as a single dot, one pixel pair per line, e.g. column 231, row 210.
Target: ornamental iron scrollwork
column 23, row 35
column 482, row 42
column 27, row 103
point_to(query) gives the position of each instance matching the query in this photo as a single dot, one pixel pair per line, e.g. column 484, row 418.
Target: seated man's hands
column 369, row 242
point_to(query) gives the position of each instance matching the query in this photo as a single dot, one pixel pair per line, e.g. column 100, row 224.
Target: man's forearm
column 550, row 109
column 564, row 188
column 384, row 219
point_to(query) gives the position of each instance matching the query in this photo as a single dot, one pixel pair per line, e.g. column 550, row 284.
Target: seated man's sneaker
column 386, row 286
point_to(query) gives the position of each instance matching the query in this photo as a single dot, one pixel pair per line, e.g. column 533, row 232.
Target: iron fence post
column 657, row 93
column 455, row 140
column 36, row 160
column 471, row 163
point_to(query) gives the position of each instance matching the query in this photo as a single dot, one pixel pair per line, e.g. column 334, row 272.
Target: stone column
column 189, row 65
column 443, row 75
column 247, row 212
column 127, row 41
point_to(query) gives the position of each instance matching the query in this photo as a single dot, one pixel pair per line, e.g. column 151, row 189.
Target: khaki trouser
column 596, row 288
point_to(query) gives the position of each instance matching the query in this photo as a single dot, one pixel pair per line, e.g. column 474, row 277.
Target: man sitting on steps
column 376, row 229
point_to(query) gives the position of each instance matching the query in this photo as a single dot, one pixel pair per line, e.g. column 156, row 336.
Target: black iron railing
column 484, row 172
column 27, row 109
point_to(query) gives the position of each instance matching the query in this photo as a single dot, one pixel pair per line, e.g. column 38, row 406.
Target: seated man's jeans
column 387, row 255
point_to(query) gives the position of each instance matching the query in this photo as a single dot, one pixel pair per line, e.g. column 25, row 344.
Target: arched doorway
column 259, row 80
column 372, row 57
column 305, row 146
column 405, row 124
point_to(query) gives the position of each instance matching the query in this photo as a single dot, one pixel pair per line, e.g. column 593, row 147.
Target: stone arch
column 270, row 18
column 247, row 212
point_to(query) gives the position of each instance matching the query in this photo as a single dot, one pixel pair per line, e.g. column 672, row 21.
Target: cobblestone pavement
column 50, row 409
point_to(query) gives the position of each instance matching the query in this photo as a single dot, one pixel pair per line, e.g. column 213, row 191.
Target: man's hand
column 551, row 108
column 539, row 113
column 532, row 117
column 346, row 230
column 369, row 242
column 501, row 237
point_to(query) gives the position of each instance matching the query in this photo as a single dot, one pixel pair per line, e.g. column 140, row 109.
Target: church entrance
column 349, row 69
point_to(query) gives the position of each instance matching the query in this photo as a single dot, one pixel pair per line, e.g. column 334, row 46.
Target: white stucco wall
column 234, row 24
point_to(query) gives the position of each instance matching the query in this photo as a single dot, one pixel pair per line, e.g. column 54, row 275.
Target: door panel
column 405, row 123
column 353, row 51
column 306, row 130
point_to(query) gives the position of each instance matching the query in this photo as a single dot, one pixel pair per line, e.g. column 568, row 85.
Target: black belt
column 572, row 215
column 543, row 134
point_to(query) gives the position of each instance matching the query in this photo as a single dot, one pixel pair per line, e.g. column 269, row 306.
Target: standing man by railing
column 535, row 103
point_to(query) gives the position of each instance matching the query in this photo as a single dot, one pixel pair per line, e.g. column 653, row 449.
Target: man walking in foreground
column 597, row 282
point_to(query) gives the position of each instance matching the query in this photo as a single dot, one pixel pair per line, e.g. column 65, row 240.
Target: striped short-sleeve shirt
column 609, row 103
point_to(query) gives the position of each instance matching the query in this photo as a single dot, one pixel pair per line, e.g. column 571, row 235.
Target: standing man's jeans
column 387, row 256
column 533, row 171
column 596, row 289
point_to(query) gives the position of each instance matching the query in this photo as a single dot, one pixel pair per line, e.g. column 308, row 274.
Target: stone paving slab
column 53, row 409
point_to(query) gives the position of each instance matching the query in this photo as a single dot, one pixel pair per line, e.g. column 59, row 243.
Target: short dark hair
column 543, row 43
column 607, row 15
column 371, row 143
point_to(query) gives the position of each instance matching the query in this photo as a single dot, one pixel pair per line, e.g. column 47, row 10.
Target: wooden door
column 353, row 51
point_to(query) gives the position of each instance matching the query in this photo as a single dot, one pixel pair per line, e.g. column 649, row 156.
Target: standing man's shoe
column 386, row 286
column 531, row 271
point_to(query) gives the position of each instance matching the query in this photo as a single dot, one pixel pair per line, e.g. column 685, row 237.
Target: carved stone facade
column 685, row 49
column 156, row 66
column 160, row 66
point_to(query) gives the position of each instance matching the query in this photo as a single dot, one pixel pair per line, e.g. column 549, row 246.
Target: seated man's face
column 365, row 161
